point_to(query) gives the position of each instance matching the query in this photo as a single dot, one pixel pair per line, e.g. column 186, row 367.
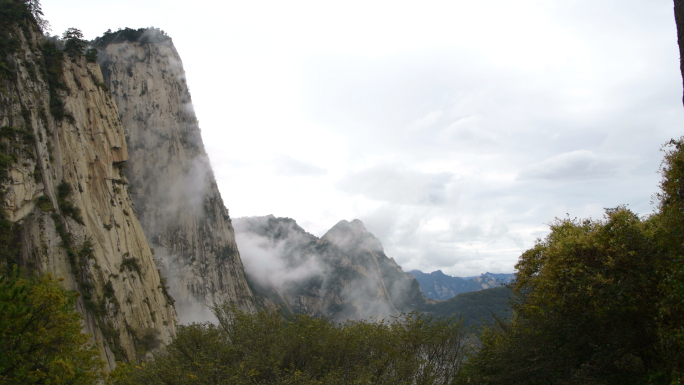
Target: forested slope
column 475, row 307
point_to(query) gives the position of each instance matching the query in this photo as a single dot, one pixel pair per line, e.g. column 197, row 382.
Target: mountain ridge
column 437, row 285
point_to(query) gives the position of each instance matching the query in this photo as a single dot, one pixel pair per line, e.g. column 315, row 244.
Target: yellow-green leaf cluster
column 40, row 334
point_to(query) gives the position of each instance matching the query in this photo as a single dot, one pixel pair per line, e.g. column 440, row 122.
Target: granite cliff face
column 67, row 196
column 345, row 274
column 176, row 196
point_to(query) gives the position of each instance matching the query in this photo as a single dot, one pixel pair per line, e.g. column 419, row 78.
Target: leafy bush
column 51, row 69
column 40, row 334
column 146, row 341
column 130, row 264
column 91, row 55
column 142, row 35
column 44, row 203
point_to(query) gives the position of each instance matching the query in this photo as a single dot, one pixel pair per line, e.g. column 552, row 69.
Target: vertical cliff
column 62, row 152
column 177, row 199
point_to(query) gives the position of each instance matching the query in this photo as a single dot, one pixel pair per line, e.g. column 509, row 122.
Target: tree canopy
column 40, row 334
column 74, row 44
column 17, row 10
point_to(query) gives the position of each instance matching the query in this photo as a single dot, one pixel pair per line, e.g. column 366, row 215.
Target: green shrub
column 44, row 203
column 130, row 264
column 64, row 191
column 41, row 334
column 91, row 55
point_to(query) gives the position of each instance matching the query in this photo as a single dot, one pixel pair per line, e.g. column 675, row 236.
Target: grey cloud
column 471, row 241
column 501, row 120
column 582, row 164
column 357, row 293
column 397, row 184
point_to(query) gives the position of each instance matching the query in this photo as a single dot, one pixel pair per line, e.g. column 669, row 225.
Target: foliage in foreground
column 40, row 334
column 265, row 348
column 598, row 301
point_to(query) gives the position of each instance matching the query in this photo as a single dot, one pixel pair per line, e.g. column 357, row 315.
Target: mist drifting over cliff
column 344, row 274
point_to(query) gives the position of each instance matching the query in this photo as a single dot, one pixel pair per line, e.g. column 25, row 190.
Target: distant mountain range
column 438, row 285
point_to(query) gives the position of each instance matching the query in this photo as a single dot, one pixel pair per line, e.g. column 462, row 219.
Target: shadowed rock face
column 67, row 193
column 176, row 196
column 345, row 274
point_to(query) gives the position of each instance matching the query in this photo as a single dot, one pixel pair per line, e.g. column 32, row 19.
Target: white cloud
column 427, row 121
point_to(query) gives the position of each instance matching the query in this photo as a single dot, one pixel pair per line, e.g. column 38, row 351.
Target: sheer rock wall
column 67, row 196
column 176, row 196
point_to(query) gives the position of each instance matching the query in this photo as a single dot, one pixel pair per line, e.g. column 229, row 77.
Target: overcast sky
column 455, row 130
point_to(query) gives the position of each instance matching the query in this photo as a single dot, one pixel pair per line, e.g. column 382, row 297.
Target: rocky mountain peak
column 353, row 236
column 343, row 275
column 269, row 226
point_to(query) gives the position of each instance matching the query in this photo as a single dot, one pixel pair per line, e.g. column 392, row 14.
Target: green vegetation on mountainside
column 40, row 334
column 474, row 307
column 141, row 35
